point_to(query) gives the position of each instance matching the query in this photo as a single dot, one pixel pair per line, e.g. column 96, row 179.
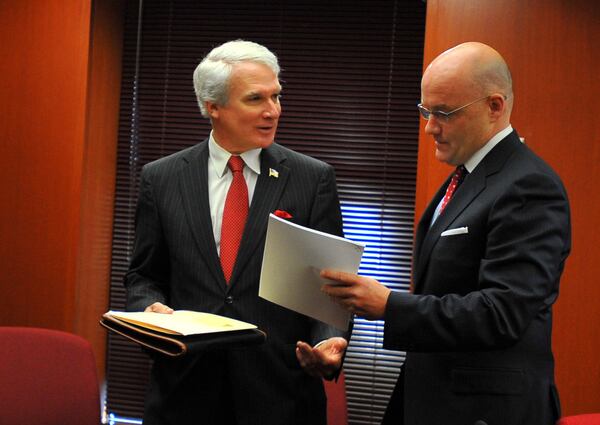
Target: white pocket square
column 457, row 231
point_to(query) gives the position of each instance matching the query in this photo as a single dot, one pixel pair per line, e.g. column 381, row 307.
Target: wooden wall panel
column 59, row 84
column 99, row 170
column 551, row 47
column 44, row 65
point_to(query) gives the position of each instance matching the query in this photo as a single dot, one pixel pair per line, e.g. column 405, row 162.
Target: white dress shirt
column 475, row 160
column 485, row 149
column 220, row 178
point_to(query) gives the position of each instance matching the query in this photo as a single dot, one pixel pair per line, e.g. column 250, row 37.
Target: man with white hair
column 200, row 232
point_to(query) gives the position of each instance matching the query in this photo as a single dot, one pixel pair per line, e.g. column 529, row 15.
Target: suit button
column 229, row 299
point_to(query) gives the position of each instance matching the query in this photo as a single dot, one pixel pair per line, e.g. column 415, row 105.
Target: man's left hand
column 322, row 360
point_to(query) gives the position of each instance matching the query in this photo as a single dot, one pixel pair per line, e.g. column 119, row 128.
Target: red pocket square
column 282, row 214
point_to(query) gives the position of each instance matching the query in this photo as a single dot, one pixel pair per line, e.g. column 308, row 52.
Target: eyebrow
column 260, row 93
column 443, row 107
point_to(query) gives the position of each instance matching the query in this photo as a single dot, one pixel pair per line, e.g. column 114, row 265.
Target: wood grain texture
column 44, row 83
column 60, row 86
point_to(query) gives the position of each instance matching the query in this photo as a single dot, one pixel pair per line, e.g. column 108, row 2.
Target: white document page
column 293, row 258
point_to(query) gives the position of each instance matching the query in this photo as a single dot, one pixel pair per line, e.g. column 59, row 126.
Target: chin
column 445, row 156
column 440, row 156
column 266, row 143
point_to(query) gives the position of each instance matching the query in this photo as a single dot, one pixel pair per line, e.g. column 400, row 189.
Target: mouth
column 266, row 128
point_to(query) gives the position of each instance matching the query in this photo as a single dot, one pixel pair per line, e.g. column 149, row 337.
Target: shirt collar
column 219, row 157
column 485, row 149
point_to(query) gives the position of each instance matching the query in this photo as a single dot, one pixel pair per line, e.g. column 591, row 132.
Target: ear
column 497, row 105
column 212, row 109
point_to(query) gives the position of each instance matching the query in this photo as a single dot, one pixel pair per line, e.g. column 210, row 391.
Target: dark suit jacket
column 478, row 327
column 175, row 262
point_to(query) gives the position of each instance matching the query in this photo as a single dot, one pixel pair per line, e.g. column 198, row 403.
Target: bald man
column 489, row 252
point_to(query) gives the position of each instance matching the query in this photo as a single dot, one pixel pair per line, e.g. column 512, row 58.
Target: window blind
column 350, row 75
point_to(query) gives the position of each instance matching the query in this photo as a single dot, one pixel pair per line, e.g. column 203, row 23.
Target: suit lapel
column 472, row 186
column 193, row 185
column 423, row 230
column 266, row 196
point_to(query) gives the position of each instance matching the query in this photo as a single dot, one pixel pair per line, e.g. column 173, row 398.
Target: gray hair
column 211, row 77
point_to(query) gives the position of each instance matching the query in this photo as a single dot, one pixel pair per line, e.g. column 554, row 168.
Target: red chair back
column 47, row 377
column 587, row 419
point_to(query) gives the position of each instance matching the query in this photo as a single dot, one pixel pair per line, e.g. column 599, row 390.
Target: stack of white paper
column 293, row 258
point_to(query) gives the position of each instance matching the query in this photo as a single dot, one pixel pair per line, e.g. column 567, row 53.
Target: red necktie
column 457, row 178
column 235, row 213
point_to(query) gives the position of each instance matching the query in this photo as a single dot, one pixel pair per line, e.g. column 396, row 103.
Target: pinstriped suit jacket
column 175, row 262
column 478, row 326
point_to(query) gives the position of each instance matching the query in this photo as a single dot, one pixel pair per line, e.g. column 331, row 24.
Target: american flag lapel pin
column 273, row 173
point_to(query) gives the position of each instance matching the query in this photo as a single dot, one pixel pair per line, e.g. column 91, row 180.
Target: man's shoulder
column 292, row 157
column 523, row 169
column 514, row 158
column 175, row 160
column 527, row 162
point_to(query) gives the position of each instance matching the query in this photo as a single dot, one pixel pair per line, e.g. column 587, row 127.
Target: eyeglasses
column 445, row 116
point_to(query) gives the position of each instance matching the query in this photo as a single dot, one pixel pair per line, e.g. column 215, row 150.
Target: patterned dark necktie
column 235, row 213
column 457, row 178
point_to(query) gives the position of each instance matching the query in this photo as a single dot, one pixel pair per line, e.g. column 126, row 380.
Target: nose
column 272, row 110
column 432, row 126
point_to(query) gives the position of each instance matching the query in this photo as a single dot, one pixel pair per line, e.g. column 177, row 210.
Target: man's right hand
column 158, row 308
column 360, row 295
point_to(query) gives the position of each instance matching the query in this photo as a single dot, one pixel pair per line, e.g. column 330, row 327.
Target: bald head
column 468, row 93
column 474, row 68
